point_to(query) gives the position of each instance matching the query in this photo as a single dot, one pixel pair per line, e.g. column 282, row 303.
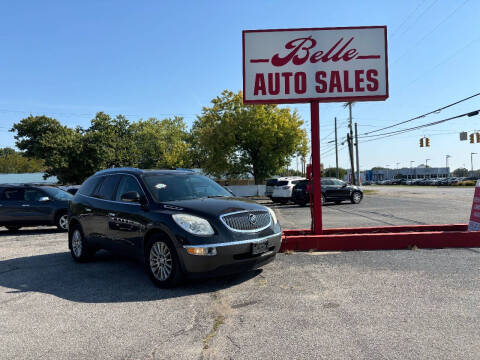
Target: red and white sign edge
column 342, row 55
column 474, row 223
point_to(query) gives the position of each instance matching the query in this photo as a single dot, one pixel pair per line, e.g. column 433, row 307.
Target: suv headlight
column 272, row 214
column 193, row 224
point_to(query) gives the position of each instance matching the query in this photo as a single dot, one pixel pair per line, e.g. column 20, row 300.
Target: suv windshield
column 58, row 193
column 166, row 187
column 282, row 183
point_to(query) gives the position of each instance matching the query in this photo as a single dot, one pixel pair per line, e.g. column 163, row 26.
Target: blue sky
column 69, row 60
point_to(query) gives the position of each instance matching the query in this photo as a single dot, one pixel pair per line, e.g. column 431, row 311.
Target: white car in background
column 282, row 192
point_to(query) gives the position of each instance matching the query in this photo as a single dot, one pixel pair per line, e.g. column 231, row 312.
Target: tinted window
column 13, row 195
column 165, row 187
column 337, row 182
column 33, row 195
column 107, row 187
column 271, row 182
column 127, row 183
column 302, row 184
column 327, row 182
column 88, row 186
column 295, row 182
column 282, row 183
column 58, row 194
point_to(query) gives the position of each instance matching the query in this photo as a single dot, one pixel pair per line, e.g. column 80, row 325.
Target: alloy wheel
column 77, row 243
column 161, row 261
column 63, row 222
column 357, row 197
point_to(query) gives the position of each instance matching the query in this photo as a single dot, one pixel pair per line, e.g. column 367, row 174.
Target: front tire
column 79, row 249
column 324, row 200
column 61, row 221
column 162, row 263
column 356, row 197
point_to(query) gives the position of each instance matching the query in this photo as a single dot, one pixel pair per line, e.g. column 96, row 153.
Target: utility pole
column 336, row 149
column 396, row 172
column 446, row 163
column 471, row 160
column 350, row 151
column 411, row 170
column 356, row 151
column 426, row 168
column 350, row 142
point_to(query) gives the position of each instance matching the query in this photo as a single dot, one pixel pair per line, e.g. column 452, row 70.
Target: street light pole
column 411, row 170
column 426, row 167
column 446, row 163
column 471, row 160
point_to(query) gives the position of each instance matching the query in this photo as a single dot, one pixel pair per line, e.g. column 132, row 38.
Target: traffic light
column 478, row 137
column 427, row 142
column 472, row 138
column 421, row 142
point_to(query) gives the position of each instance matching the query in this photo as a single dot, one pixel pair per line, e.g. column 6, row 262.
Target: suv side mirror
column 131, row 196
column 344, row 185
column 44, row 199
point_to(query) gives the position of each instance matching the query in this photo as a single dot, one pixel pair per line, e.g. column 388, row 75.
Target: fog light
column 202, row 251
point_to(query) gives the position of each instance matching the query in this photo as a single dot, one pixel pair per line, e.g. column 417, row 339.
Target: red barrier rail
column 381, row 238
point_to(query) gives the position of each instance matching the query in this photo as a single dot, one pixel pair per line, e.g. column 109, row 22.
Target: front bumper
column 231, row 257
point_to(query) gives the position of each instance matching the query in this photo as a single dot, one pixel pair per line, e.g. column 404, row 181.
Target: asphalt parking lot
column 420, row 304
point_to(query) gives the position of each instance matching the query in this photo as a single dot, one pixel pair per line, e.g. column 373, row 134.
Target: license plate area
column 259, row 248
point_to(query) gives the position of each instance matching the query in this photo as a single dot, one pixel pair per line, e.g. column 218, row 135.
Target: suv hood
column 214, row 206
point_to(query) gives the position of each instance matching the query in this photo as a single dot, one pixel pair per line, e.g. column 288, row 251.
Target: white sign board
column 304, row 65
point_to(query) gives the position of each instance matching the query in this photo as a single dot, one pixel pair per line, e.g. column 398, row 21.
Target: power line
column 402, row 131
column 431, row 31
column 419, row 17
column 436, row 111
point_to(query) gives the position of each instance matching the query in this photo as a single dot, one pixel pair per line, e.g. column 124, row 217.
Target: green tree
column 231, row 139
column 30, row 131
column 110, row 142
column 332, row 172
column 460, row 172
column 161, row 143
column 13, row 162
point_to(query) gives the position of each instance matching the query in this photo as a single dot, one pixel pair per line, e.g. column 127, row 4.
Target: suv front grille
column 247, row 221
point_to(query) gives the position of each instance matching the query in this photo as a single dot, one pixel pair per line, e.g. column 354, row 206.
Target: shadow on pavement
column 108, row 278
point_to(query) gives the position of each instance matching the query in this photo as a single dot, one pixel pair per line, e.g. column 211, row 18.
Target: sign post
column 344, row 64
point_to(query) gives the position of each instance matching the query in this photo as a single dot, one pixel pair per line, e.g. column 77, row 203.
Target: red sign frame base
column 381, row 238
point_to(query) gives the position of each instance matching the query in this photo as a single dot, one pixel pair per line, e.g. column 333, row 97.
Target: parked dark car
column 27, row 205
column 177, row 222
column 333, row 190
column 270, row 185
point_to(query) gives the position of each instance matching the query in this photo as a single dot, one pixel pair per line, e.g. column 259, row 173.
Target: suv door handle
column 25, row 205
column 88, row 209
column 112, row 214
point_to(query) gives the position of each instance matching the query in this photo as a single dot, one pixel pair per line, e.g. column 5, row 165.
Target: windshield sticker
column 161, row 186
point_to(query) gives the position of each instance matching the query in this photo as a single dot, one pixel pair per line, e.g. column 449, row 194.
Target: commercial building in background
column 403, row 173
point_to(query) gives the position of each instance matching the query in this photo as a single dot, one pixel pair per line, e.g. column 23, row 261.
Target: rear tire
column 338, row 202
column 79, row 249
column 162, row 263
column 61, row 221
column 283, row 201
column 356, row 197
column 13, row 228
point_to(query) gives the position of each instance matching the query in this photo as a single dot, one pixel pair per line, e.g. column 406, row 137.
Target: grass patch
column 218, row 321
column 370, row 192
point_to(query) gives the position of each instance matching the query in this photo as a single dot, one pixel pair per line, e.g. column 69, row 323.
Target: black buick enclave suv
column 177, row 222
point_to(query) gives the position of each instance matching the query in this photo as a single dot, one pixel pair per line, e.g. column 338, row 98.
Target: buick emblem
column 252, row 218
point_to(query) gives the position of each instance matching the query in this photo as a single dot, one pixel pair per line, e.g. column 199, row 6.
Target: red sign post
column 315, row 65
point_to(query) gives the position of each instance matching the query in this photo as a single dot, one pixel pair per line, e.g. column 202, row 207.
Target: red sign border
column 320, row 100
